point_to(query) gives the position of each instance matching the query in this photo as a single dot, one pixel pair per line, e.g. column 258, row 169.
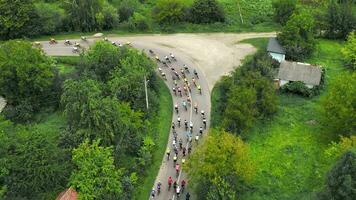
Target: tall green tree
column 341, row 180
column 27, row 78
column 50, row 18
column 95, row 176
column 100, row 60
column 339, row 108
column 349, row 51
column 297, row 36
column 34, row 164
column 168, row 12
column 206, row 11
column 340, row 19
column 16, row 18
column 240, row 112
column 283, row 9
column 220, row 167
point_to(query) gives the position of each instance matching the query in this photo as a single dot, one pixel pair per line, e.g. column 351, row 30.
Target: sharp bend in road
column 211, row 55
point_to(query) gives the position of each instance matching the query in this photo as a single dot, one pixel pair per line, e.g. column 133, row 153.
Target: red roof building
column 69, row 194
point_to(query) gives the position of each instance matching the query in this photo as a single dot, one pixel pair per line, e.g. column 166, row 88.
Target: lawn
column 289, row 149
column 163, row 129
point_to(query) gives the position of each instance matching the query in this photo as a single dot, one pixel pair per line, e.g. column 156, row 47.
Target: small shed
column 275, row 50
column 2, row 103
column 296, row 71
column 69, row 194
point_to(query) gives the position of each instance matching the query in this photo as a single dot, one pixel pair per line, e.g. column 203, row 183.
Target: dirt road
column 212, row 55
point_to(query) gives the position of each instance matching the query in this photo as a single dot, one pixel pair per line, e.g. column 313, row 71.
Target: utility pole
column 146, row 81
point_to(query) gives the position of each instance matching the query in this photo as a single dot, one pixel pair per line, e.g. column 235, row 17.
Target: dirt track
column 214, row 54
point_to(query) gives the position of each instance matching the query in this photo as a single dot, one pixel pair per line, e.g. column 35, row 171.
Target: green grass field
column 289, row 149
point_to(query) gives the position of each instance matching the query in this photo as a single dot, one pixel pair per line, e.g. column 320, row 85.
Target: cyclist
column 204, row 122
column 184, row 150
column 159, row 187
column 168, row 152
column 173, row 126
column 180, row 143
column 177, row 169
column 186, row 68
column 183, row 161
column 196, row 107
column 176, row 108
column 185, row 105
column 178, row 120
column 201, row 130
column 153, row 193
column 197, row 138
column 187, row 196
column 178, row 191
column 199, row 88
column 189, row 149
column 186, row 124
column 169, row 182
column 174, row 91
column 175, row 159
column 183, row 184
column 175, row 185
column 202, row 113
column 196, row 74
column 191, row 126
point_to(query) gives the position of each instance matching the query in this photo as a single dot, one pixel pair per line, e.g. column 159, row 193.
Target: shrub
column 167, row 12
column 127, row 8
column 297, row 87
column 349, row 51
column 206, row 11
column 50, row 18
column 139, row 22
column 283, row 9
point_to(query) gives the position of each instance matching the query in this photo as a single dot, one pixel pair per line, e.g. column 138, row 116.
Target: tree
column 220, row 166
column 206, row 11
column 16, row 18
column 127, row 8
column 338, row 107
column 100, row 60
column 341, row 180
column 50, row 18
column 78, row 98
column 297, row 36
column 283, row 9
column 34, row 164
column 126, row 82
column 167, row 12
column 27, row 77
column 349, row 51
column 240, row 110
column 96, row 176
column 91, row 15
column 339, row 19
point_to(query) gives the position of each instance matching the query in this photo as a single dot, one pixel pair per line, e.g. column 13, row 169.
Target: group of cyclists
column 77, row 46
column 184, row 83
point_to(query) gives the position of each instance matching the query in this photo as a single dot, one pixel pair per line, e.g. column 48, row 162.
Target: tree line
column 108, row 138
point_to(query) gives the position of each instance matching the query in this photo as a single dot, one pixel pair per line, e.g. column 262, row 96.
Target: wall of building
column 277, row 56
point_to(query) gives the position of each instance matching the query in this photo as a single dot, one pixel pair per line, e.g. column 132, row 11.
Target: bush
column 167, row 12
column 297, row 36
column 50, row 18
column 297, row 87
column 127, row 8
column 283, row 9
column 139, row 22
column 349, row 51
column 206, row 11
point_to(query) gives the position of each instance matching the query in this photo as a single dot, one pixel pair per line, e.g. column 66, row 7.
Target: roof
column 295, row 71
column 274, row 46
column 2, row 103
column 69, row 194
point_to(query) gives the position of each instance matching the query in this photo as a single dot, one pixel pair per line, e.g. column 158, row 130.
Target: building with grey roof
column 275, row 50
column 296, row 71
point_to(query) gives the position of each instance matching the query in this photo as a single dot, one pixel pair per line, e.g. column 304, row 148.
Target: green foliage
column 27, row 79
column 139, row 22
column 91, row 15
column 220, row 167
column 341, row 180
column 349, row 51
column 338, row 106
column 100, row 60
column 168, row 12
column 34, row 164
column 16, row 18
column 248, row 94
column 206, row 11
column 240, row 112
column 127, row 81
column 127, row 8
column 340, row 19
column 283, row 9
column 50, row 18
column 297, row 36
column 96, row 176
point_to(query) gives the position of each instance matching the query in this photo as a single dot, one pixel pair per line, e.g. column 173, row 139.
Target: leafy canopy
column 349, row 51
column 96, row 176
